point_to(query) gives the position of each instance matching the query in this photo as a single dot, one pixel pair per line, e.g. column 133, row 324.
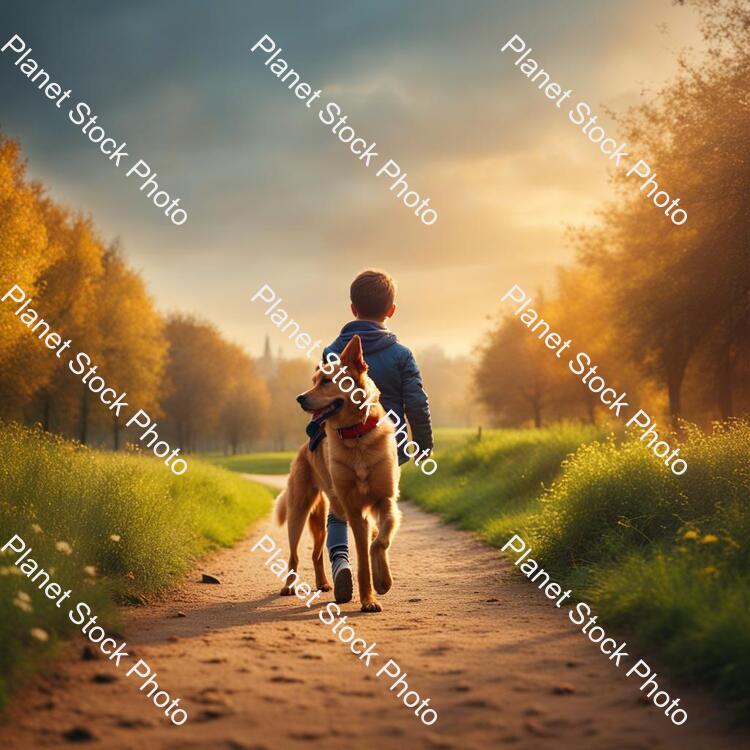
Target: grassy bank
column 666, row 556
column 111, row 527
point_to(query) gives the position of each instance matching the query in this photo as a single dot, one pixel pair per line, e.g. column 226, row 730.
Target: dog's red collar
column 357, row 430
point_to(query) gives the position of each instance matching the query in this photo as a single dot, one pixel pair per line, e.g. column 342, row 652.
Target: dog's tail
column 280, row 509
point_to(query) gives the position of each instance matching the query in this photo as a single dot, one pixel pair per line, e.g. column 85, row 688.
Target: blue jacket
column 393, row 368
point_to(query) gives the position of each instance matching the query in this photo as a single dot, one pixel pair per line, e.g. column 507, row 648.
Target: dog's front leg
column 388, row 517
column 361, row 530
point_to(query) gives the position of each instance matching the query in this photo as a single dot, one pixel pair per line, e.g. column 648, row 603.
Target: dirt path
column 502, row 666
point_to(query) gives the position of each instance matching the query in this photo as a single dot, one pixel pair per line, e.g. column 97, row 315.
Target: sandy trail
column 500, row 664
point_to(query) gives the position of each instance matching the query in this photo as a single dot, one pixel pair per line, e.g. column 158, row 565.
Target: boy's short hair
column 372, row 293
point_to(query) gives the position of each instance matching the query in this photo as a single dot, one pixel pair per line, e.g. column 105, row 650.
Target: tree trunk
column 116, row 432
column 46, row 411
column 84, row 419
column 674, row 388
column 591, row 408
column 537, row 415
column 725, row 381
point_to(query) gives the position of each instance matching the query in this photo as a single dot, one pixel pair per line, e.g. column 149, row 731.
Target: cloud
column 275, row 198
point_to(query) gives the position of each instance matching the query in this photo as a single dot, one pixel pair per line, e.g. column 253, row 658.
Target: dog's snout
column 301, row 399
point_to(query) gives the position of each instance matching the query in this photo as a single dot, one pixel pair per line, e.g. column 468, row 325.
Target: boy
column 393, row 368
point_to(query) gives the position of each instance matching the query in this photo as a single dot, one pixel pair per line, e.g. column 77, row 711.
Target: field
column 111, row 527
column 278, row 462
column 255, row 463
column 665, row 556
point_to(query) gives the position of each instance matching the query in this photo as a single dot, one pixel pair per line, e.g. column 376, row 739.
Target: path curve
column 502, row 667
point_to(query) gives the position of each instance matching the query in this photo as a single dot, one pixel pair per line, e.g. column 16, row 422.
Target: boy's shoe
column 342, row 584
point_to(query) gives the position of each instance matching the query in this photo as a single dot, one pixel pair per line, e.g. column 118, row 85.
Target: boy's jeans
column 338, row 543
column 338, row 540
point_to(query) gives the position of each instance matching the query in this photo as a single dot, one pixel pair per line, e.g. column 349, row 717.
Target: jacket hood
column 375, row 336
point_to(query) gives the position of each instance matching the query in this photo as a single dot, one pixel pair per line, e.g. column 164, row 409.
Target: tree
column 244, row 414
column 196, row 380
column 69, row 289
column 287, row 420
column 24, row 254
column 680, row 288
column 134, row 346
column 517, row 375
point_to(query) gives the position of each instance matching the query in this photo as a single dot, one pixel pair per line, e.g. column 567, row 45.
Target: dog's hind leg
column 388, row 517
column 295, row 525
column 361, row 529
column 300, row 495
column 317, row 522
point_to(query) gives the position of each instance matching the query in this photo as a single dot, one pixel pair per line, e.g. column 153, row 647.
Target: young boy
column 393, row 368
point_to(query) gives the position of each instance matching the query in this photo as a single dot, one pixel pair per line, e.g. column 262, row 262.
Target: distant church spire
column 266, row 364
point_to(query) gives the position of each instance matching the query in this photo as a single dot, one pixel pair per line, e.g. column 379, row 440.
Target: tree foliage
column 181, row 371
column 670, row 301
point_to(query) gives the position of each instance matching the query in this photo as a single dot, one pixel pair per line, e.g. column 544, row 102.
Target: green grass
column 139, row 526
column 279, row 462
column 666, row 556
column 256, row 463
column 486, row 486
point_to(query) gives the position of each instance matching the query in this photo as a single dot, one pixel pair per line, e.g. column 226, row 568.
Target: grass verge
column 667, row 556
column 110, row 527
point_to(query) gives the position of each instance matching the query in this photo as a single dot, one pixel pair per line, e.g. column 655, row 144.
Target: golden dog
column 357, row 475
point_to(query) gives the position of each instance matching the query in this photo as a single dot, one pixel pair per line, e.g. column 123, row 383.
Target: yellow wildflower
column 37, row 528
column 690, row 535
column 709, row 539
column 90, row 570
column 710, row 570
column 115, row 537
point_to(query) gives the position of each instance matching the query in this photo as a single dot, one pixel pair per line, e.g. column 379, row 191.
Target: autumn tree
column 69, row 290
column 24, row 254
column 680, row 288
column 287, row 421
column 244, row 414
column 195, row 379
column 134, row 346
column 517, row 378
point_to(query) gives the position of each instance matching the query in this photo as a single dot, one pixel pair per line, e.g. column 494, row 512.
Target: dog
column 354, row 469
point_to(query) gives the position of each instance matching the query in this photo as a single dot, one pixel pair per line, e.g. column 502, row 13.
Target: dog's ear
column 352, row 355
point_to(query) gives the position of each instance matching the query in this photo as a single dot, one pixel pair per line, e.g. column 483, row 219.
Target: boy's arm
column 416, row 403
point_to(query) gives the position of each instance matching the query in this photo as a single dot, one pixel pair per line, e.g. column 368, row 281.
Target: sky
column 275, row 198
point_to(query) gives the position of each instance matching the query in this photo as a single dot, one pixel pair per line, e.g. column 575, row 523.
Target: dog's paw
column 372, row 606
column 382, row 587
column 324, row 586
column 381, row 574
column 286, row 591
